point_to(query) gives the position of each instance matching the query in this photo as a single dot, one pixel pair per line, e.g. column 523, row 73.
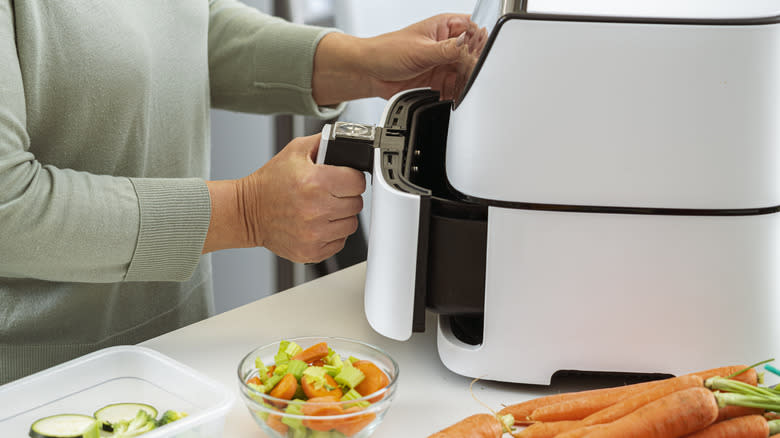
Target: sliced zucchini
column 116, row 412
column 65, row 426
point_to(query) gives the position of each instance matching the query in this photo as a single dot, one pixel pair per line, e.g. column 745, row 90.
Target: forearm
column 339, row 74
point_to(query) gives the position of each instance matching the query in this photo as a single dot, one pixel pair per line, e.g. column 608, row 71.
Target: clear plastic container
column 118, row 375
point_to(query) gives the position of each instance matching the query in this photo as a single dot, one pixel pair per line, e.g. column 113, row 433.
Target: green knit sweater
column 104, row 152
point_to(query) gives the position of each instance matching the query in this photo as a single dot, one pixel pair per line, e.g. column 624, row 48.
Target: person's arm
column 430, row 53
column 66, row 225
column 262, row 64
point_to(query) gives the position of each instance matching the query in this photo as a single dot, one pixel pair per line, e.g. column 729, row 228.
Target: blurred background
column 242, row 143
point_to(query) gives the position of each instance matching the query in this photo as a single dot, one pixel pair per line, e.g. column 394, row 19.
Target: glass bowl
column 357, row 418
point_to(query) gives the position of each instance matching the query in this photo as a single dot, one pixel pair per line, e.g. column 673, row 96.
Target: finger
column 345, row 207
column 342, row 228
column 458, row 23
column 308, row 145
column 448, row 89
column 343, row 182
column 329, row 249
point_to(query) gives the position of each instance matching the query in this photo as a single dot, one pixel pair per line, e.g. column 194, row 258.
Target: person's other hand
column 299, row 210
column 425, row 54
column 436, row 52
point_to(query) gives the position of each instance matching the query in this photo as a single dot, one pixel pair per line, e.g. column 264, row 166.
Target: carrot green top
column 104, row 152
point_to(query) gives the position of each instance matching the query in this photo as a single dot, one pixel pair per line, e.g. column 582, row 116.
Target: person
column 106, row 209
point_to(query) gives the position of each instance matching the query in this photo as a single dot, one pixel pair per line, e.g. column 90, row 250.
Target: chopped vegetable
column 119, row 420
column 66, row 426
column 318, row 382
column 349, row 375
column 170, row 416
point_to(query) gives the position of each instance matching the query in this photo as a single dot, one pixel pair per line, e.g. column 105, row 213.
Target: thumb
column 309, row 145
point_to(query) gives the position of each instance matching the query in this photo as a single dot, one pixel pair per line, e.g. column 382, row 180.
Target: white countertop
column 429, row 398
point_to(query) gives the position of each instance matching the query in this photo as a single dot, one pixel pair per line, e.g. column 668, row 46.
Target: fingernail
column 461, row 39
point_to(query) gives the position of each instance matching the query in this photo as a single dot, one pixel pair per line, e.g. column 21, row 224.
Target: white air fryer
column 604, row 195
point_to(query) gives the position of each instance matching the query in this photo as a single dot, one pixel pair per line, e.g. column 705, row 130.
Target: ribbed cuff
column 175, row 215
column 284, row 78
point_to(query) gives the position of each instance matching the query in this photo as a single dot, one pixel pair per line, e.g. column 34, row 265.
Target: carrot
column 321, row 406
column 255, row 380
column 630, row 404
column 275, row 423
column 522, row 410
column 312, row 390
column 285, row 389
column 675, row 415
column 375, row 380
column 750, row 426
column 475, row 426
column 581, row 407
column 315, row 352
column 547, row 430
column 580, row 432
column 729, row 412
column 352, row 425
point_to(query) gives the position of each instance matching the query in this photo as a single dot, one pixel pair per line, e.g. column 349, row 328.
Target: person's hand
column 431, row 53
column 425, row 54
column 299, row 210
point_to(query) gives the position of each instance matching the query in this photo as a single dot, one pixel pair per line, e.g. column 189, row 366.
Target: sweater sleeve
column 67, row 225
column 262, row 64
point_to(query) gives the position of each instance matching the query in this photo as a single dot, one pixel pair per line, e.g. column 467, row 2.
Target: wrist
column 340, row 72
column 227, row 227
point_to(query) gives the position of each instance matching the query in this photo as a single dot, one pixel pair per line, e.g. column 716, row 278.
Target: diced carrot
column 285, row 389
column 255, row 380
column 318, row 407
column 375, row 380
column 275, row 422
column 318, row 363
column 315, row 352
column 311, row 390
column 352, row 425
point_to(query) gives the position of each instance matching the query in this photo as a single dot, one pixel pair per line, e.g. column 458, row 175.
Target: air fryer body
column 603, row 196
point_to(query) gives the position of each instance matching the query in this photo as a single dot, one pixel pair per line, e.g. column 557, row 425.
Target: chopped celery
column 332, row 370
column 316, row 376
column 281, row 358
column 329, row 434
column 280, row 370
column 295, row 407
column 353, row 359
column 354, row 395
column 296, row 368
column 292, row 349
column 283, row 346
column 261, row 369
column 315, row 372
column 349, row 376
column 335, row 360
column 270, row 383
